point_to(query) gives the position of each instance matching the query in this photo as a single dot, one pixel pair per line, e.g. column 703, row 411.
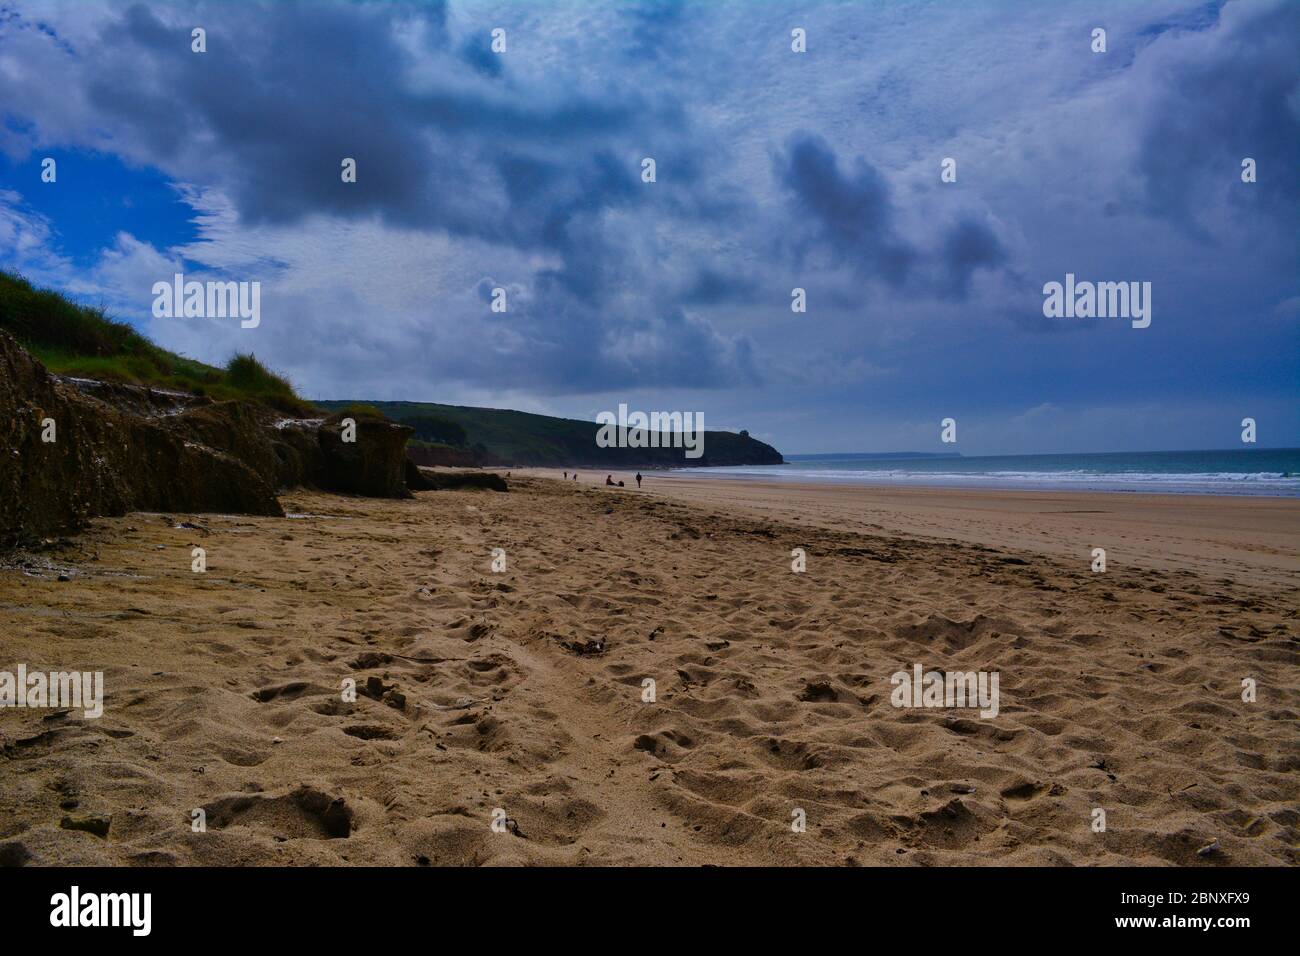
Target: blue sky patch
column 95, row 197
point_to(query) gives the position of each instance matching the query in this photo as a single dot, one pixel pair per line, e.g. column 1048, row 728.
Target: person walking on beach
column 638, row 479
column 566, row 476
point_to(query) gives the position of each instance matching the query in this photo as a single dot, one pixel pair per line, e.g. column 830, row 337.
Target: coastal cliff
column 77, row 448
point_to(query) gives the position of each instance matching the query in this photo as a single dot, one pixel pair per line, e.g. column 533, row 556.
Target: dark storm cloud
column 970, row 245
column 284, row 95
column 1237, row 99
column 852, row 217
column 710, row 287
column 848, row 214
column 477, row 52
column 290, row 92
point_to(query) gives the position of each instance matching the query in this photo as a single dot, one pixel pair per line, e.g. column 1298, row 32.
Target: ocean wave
column 1256, row 483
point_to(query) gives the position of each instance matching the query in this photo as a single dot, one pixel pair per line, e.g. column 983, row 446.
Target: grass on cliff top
column 71, row 339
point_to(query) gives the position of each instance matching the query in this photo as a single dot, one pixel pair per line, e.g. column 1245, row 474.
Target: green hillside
column 71, row 339
column 522, row 438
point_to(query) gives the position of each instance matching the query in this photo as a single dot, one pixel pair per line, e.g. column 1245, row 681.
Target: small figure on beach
column 638, row 479
column 609, row 480
column 566, row 476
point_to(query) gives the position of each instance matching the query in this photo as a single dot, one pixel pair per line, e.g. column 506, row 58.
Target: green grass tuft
column 77, row 340
column 360, row 410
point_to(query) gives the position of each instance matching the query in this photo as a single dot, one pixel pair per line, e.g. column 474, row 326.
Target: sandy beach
column 520, row 695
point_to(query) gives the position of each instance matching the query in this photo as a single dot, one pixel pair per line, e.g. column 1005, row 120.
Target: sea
column 1263, row 472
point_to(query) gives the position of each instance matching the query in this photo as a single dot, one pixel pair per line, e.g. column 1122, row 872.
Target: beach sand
column 522, row 691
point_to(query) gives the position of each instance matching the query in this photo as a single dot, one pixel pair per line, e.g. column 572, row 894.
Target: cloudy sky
column 775, row 170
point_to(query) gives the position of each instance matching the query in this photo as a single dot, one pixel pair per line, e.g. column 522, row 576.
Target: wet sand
column 1254, row 539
